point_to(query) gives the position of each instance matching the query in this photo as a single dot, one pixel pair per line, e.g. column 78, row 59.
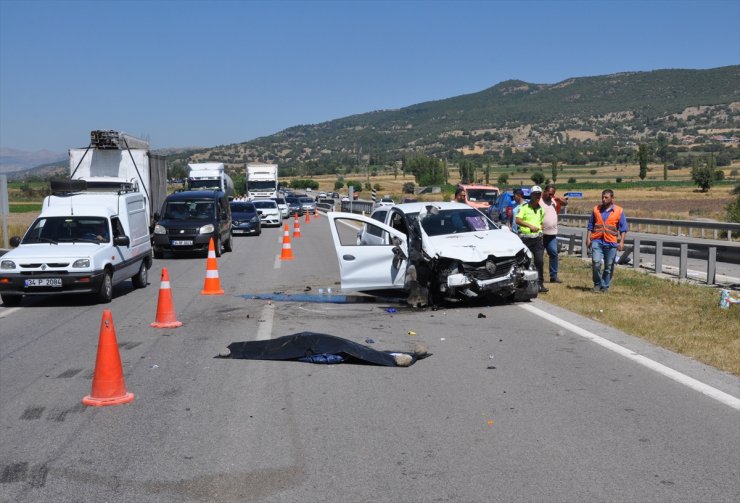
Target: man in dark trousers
column 530, row 219
column 551, row 205
column 607, row 229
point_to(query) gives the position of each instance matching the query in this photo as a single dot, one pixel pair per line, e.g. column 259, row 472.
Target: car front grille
column 182, row 232
column 48, row 264
column 491, row 268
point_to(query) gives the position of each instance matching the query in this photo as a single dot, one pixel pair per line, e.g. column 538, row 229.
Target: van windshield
column 189, row 210
column 481, row 195
column 68, row 229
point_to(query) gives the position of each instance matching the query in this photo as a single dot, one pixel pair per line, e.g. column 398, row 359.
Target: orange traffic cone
column 108, row 387
column 165, row 307
column 315, row 213
column 296, row 227
column 287, row 252
column 212, row 286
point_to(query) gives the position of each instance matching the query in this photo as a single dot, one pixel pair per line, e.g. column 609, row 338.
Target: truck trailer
column 210, row 176
column 262, row 180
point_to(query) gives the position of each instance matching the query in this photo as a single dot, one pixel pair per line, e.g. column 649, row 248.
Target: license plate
column 182, row 242
column 44, row 282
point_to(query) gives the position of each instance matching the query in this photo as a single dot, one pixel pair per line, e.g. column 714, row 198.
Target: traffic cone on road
column 287, row 251
column 308, row 216
column 315, row 213
column 108, row 387
column 212, row 285
column 296, row 227
column 165, row 307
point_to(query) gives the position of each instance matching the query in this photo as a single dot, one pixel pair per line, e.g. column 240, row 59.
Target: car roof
column 417, row 207
column 189, row 195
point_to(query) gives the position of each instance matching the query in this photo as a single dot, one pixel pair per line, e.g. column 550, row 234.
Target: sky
column 206, row 73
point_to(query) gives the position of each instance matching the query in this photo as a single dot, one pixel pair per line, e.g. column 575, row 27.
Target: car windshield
column 487, row 195
column 455, row 221
column 279, row 200
column 67, row 230
column 242, row 208
column 305, row 200
column 264, row 204
column 292, row 200
column 189, row 210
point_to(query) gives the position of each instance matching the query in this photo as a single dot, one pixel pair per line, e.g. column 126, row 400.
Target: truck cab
column 82, row 242
column 481, row 197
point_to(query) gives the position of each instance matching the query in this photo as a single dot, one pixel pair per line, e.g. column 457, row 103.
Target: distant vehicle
column 431, row 252
column 188, row 221
column 262, row 180
column 308, row 189
column 480, row 196
column 294, row 205
column 307, row 204
column 283, row 205
column 245, row 219
column 334, row 195
column 210, row 176
column 322, row 194
column 268, row 211
column 501, row 211
column 386, row 201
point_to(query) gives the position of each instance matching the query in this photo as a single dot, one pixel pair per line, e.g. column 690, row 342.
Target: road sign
column 574, row 194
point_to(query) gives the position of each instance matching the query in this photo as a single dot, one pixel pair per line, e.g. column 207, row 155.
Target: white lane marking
column 677, row 376
column 5, row 312
column 264, row 331
column 277, row 262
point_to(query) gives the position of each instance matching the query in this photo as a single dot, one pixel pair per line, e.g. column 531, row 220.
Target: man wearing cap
column 530, row 219
column 607, row 228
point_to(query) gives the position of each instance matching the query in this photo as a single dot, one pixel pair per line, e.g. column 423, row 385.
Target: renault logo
column 182, row 231
column 43, row 267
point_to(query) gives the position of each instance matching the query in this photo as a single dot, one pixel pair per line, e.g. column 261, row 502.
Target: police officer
column 530, row 219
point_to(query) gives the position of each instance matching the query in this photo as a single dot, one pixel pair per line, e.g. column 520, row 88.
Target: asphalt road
column 512, row 406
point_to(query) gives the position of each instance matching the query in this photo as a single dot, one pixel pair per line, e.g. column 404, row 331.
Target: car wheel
column 229, row 244
column 218, row 246
column 11, row 300
column 105, row 294
column 140, row 280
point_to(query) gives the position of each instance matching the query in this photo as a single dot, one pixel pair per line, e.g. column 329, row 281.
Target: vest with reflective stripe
column 609, row 230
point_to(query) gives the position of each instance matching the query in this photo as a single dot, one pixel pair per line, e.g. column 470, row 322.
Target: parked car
column 188, row 221
column 294, row 205
column 268, row 211
column 282, row 205
column 307, row 204
column 431, row 252
column 245, row 219
column 501, row 210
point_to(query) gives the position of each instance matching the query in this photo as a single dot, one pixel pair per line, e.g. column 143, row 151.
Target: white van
column 82, row 242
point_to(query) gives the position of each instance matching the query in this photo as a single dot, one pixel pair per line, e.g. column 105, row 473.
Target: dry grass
column 681, row 317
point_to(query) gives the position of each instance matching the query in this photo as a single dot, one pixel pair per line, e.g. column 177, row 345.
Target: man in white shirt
column 552, row 206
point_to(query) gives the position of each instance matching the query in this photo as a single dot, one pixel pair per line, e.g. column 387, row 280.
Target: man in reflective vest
column 607, row 229
column 530, row 218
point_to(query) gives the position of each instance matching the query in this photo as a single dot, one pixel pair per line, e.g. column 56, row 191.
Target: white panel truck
column 262, row 180
column 210, row 176
column 93, row 230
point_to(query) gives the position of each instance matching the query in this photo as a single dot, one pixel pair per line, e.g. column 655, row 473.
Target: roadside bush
column 338, row 184
column 619, row 179
column 572, row 180
column 408, row 187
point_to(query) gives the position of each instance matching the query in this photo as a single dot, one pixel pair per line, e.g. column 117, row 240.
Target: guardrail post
column 658, row 256
column 571, row 244
column 683, row 264
column 584, row 248
column 712, row 266
column 636, row 254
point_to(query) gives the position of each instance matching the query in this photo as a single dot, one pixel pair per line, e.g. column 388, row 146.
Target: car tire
column 229, row 244
column 105, row 294
column 10, row 300
column 218, row 246
column 140, row 280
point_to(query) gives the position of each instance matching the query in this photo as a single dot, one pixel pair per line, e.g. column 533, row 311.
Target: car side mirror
column 15, row 241
column 121, row 241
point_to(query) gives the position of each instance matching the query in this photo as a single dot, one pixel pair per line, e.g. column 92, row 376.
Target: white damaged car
column 430, row 252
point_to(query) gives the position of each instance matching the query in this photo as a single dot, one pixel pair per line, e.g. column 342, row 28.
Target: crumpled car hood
column 473, row 246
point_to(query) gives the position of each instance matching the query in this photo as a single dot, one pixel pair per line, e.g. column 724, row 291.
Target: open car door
column 368, row 266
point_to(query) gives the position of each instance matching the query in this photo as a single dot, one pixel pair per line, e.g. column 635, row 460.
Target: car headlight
column 206, row 229
column 81, row 262
column 7, row 264
column 254, row 220
column 160, row 229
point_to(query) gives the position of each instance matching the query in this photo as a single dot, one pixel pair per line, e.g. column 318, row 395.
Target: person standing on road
column 551, row 205
column 514, row 209
column 607, row 228
column 530, row 219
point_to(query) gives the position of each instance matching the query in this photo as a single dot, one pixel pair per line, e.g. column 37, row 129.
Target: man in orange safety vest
column 607, row 229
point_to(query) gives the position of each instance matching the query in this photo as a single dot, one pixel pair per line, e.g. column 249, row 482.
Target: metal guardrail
column 656, row 225
column 660, row 247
